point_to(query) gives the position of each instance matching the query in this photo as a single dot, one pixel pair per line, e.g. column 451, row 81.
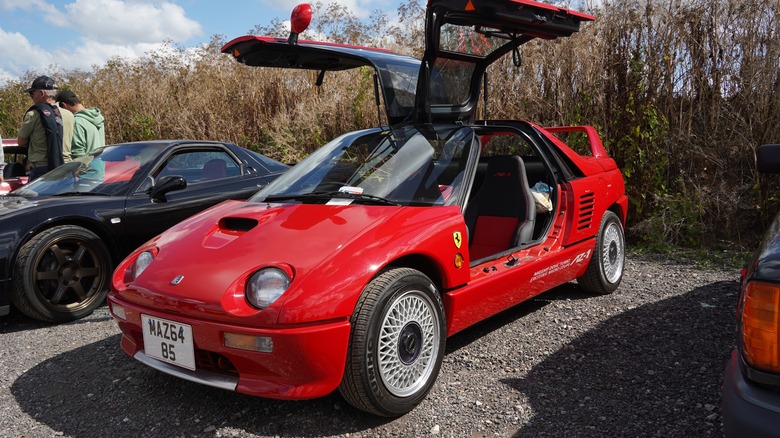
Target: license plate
column 168, row 341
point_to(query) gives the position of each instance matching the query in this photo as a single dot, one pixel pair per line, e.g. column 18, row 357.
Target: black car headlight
column 266, row 286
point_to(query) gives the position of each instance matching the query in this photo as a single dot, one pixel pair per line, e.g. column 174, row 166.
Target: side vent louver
column 587, row 205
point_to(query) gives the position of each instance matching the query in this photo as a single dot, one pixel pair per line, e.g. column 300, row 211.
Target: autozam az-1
column 350, row 271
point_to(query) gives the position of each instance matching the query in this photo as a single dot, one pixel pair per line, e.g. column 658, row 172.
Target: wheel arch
column 428, row 266
column 88, row 224
column 620, row 208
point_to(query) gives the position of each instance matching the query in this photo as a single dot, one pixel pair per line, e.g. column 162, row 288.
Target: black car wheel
column 61, row 274
column 605, row 270
column 396, row 345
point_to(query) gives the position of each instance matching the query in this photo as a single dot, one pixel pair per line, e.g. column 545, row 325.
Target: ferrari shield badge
column 457, row 238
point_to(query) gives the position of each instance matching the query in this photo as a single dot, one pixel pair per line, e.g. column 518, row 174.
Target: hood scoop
column 237, row 224
column 227, row 230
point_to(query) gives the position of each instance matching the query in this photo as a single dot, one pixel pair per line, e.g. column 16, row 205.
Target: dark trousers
column 36, row 172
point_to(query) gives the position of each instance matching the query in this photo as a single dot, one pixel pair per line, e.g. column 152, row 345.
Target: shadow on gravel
column 16, row 321
column 666, row 359
column 568, row 291
column 681, row 345
column 98, row 391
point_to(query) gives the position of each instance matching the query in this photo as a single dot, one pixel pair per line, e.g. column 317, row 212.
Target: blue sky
column 41, row 35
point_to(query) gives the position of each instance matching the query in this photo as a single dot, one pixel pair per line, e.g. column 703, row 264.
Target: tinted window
column 200, row 166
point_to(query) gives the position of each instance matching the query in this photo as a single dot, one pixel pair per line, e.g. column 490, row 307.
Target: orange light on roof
column 469, row 6
column 761, row 326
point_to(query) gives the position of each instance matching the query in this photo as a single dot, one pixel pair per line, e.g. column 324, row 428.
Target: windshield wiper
column 333, row 194
column 365, row 197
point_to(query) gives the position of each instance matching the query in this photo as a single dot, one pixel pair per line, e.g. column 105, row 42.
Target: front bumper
column 748, row 410
column 306, row 362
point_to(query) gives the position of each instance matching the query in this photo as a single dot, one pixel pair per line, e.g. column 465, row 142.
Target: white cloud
column 98, row 30
column 91, row 53
column 123, row 22
column 10, row 5
column 18, row 54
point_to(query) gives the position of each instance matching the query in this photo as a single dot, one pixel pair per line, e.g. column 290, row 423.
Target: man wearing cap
column 89, row 131
column 46, row 130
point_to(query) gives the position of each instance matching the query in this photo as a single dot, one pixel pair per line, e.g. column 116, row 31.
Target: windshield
column 402, row 166
column 108, row 171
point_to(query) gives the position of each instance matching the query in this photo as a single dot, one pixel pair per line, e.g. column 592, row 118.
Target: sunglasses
column 32, row 92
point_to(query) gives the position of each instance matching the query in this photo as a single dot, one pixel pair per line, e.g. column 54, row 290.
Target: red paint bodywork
column 332, row 252
column 12, row 149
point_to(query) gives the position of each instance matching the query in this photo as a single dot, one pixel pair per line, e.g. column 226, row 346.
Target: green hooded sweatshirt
column 89, row 132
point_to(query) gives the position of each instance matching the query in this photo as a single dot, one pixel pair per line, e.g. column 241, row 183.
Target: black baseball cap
column 42, row 83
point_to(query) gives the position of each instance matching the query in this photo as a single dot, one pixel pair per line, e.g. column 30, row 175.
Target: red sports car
column 15, row 159
column 350, row 271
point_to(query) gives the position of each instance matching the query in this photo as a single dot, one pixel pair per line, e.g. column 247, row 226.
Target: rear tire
column 605, row 270
column 61, row 274
column 396, row 345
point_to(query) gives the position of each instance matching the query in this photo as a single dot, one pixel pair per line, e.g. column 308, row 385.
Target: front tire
column 396, row 345
column 61, row 274
column 605, row 270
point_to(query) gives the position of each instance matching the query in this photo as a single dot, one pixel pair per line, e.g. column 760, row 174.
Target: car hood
column 203, row 262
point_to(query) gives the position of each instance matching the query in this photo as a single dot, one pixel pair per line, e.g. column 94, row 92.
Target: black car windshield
column 109, row 171
column 406, row 165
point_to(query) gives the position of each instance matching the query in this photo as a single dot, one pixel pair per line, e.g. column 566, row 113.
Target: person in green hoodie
column 89, row 132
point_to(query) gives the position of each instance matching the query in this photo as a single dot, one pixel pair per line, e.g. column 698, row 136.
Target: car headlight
column 266, row 286
column 139, row 265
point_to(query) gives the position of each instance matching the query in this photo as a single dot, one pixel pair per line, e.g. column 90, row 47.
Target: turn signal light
column 761, row 326
column 458, row 260
column 263, row 344
column 118, row 311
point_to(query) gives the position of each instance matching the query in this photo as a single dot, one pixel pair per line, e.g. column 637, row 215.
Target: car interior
column 502, row 211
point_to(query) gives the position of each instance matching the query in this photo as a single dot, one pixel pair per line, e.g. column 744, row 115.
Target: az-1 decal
column 561, row 265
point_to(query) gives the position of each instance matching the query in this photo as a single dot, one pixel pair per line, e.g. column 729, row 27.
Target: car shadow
column 98, row 391
column 568, row 291
column 17, row 321
column 681, row 344
column 666, row 359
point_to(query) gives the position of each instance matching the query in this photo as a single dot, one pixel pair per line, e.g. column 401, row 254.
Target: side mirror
column 166, row 184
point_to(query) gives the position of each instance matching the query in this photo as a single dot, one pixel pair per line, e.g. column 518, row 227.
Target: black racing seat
column 502, row 213
column 214, row 169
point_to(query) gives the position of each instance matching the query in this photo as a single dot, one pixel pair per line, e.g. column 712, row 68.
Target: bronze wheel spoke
column 55, row 299
column 47, row 275
column 79, row 254
column 58, row 253
column 80, row 291
column 89, row 272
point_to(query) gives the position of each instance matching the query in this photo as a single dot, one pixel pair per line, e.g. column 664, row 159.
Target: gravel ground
column 644, row 361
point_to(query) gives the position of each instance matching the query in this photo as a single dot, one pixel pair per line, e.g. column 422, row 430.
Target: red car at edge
column 351, row 270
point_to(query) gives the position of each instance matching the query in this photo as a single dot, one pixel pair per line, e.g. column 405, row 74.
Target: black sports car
column 62, row 234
